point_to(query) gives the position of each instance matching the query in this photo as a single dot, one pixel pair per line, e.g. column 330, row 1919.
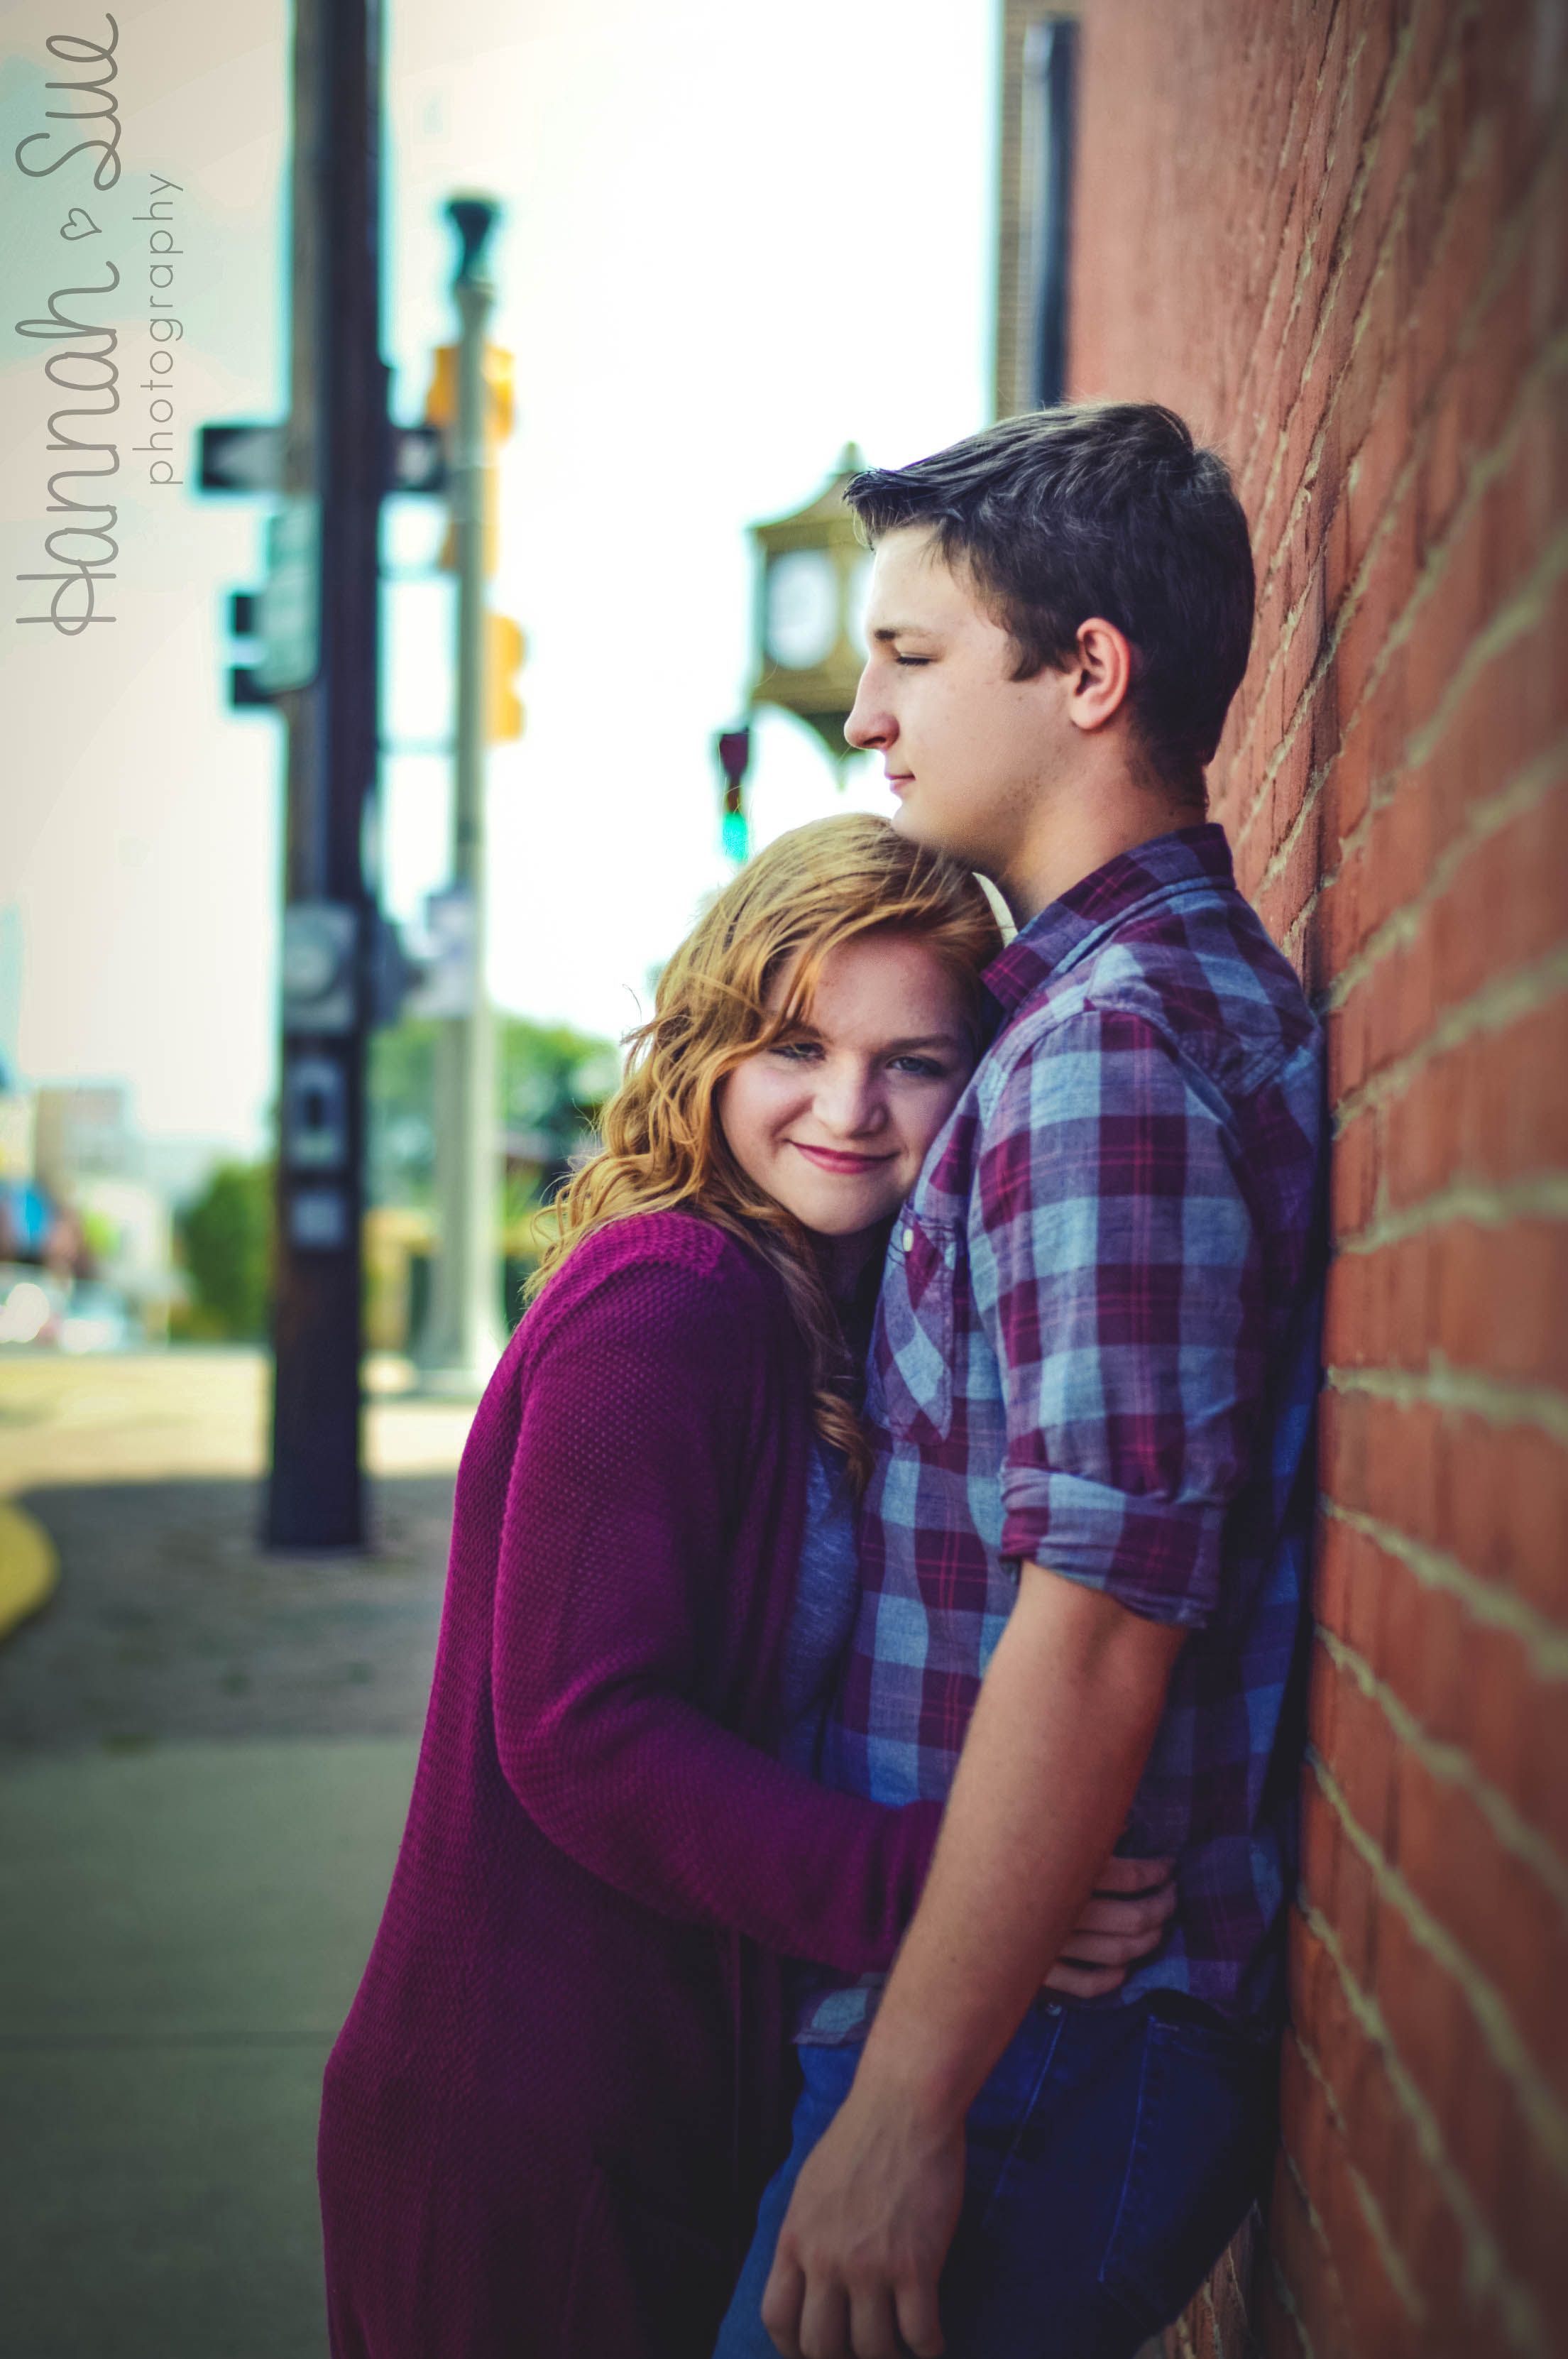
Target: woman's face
column 834, row 1118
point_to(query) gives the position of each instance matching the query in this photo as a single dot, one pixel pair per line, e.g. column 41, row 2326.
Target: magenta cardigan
column 566, row 2074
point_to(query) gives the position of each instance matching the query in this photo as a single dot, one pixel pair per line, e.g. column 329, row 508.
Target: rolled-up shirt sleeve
column 1119, row 1275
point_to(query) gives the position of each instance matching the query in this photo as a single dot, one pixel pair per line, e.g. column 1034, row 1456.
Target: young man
column 1085, row 1544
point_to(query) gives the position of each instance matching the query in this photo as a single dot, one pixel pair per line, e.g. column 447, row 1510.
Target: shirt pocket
column 911, row 1362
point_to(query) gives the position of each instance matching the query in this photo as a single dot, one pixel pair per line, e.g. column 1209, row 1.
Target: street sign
column 289, row 616
column 246, row 458
column 318, row 1220
column 320, row 939
column 445, row 985
column 241, row 458
column 418, row 459
column 315, row 1112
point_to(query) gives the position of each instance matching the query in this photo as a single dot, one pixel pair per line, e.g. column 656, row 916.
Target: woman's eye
column 925, row 1068
column 797, row 1051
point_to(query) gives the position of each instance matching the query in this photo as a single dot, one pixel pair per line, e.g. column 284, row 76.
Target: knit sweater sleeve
column 623, row 1496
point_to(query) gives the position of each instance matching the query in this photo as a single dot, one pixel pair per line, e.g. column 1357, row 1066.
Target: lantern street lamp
column 813, row 571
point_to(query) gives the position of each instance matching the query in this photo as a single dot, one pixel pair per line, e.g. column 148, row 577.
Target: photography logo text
column 82, row 364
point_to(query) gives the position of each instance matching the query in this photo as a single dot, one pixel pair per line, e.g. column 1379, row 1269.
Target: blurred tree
column 225, row 1239
column 552, row 1082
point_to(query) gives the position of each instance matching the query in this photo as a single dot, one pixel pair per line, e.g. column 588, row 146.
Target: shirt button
column 908, row 1241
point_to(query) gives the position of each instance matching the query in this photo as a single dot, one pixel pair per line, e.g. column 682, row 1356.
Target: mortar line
column 1458, row 1391
column 1541, row 1196
column 1498, row 1003
column 1531, row 786
column 1508, row 242
column 1520, row 610
column 1498, row 2031
column 1387, row 246
column 1487, row 2274
column 1371, row 147
column 1454, row 1766
column 1544, row 1642
column 1367, row 2201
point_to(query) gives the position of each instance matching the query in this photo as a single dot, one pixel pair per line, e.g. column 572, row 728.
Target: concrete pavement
column 185, row 1929
column 205, row 1756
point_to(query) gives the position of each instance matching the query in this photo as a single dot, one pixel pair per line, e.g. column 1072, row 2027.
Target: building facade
column 1333, row 237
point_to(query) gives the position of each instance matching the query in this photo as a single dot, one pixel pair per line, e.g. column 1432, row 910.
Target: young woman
column 566, row 2074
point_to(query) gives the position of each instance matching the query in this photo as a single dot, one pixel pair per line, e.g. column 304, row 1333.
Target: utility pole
column 465, row 1335
column 335, row 469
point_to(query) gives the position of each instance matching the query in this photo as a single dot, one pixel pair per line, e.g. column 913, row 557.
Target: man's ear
column 1101, row 674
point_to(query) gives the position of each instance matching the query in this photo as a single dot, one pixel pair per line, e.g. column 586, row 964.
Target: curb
column 29, row 1567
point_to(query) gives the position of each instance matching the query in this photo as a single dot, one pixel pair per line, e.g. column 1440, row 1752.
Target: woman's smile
column 834, row 1158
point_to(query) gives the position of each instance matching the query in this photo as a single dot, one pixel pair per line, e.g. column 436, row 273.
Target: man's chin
column 910, row 820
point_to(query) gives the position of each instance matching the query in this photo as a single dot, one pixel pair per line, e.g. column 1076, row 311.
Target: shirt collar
column 1101, row 901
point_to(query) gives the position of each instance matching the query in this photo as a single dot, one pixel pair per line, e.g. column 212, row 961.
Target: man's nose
column 867, row 726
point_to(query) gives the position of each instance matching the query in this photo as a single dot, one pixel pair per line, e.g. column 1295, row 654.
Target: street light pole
column 466, row 1336
column 334, row 463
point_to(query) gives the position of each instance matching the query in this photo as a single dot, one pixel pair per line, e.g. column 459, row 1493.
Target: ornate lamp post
column 812, row 577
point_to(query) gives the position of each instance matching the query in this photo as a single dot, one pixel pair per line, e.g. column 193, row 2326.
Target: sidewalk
column 205, row 1756
column 185, row 1929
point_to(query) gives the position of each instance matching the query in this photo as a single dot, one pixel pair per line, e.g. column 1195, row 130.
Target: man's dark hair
column 1104, row 508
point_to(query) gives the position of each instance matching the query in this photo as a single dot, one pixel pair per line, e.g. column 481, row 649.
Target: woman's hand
column 1132, row 1903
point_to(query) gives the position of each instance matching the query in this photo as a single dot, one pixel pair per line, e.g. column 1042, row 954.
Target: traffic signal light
column 500, row 406
column 734, row 747
column 504, row 651
column 245, row 690
column 500, row 411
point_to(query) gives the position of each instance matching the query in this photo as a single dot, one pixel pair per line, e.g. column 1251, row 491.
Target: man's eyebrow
column 885, row 631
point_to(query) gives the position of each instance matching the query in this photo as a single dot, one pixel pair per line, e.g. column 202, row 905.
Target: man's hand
column 1060, row 1730
column 865, row 2235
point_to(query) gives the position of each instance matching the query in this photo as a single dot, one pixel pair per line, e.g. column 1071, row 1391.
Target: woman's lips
column 828, row 1159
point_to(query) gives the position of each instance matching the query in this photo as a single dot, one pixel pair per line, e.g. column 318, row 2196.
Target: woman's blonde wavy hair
column 662, row 1144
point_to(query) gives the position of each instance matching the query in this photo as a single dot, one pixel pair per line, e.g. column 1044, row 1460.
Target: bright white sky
column 735, row 237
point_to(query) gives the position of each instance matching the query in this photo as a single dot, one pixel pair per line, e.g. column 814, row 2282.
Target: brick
column 1319, row 1848
column 1479, row 1297
column 1363, row 1761
column 1280, row 2337
column 1495, row 1496
column 1519, row 2191
column 1471, row 1114
column 1492, row 1904
column 1429, row 2020
column 1380, row 379
column 1308, row 2269
column 1382, row 2322
column 1426, row 1651
column 1354, row 1177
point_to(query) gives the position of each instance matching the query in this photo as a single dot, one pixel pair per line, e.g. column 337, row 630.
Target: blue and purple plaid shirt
column 1097, row 1349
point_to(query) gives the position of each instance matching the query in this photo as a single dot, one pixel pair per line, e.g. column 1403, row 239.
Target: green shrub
column 226, row 1240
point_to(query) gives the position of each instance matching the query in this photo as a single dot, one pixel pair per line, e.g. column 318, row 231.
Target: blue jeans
column 1111, row 2155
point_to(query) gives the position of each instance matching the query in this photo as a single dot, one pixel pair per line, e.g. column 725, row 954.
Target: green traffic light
column 735, row 833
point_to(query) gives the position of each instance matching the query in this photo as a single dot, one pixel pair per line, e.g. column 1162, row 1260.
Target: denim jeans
column 1110, row 2156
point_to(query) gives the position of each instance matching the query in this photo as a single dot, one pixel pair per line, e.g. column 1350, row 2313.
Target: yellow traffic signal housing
column 500, row 411
column 441, row 402
column 506, row 649
column 500, row 404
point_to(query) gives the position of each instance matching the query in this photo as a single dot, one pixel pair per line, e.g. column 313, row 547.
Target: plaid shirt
column 1097, row 1349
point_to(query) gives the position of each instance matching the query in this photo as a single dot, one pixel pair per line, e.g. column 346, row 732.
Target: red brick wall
column 1333, row 236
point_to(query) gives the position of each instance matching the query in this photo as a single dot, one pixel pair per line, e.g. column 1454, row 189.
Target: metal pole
column 335, row 459
column 466, row 1335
